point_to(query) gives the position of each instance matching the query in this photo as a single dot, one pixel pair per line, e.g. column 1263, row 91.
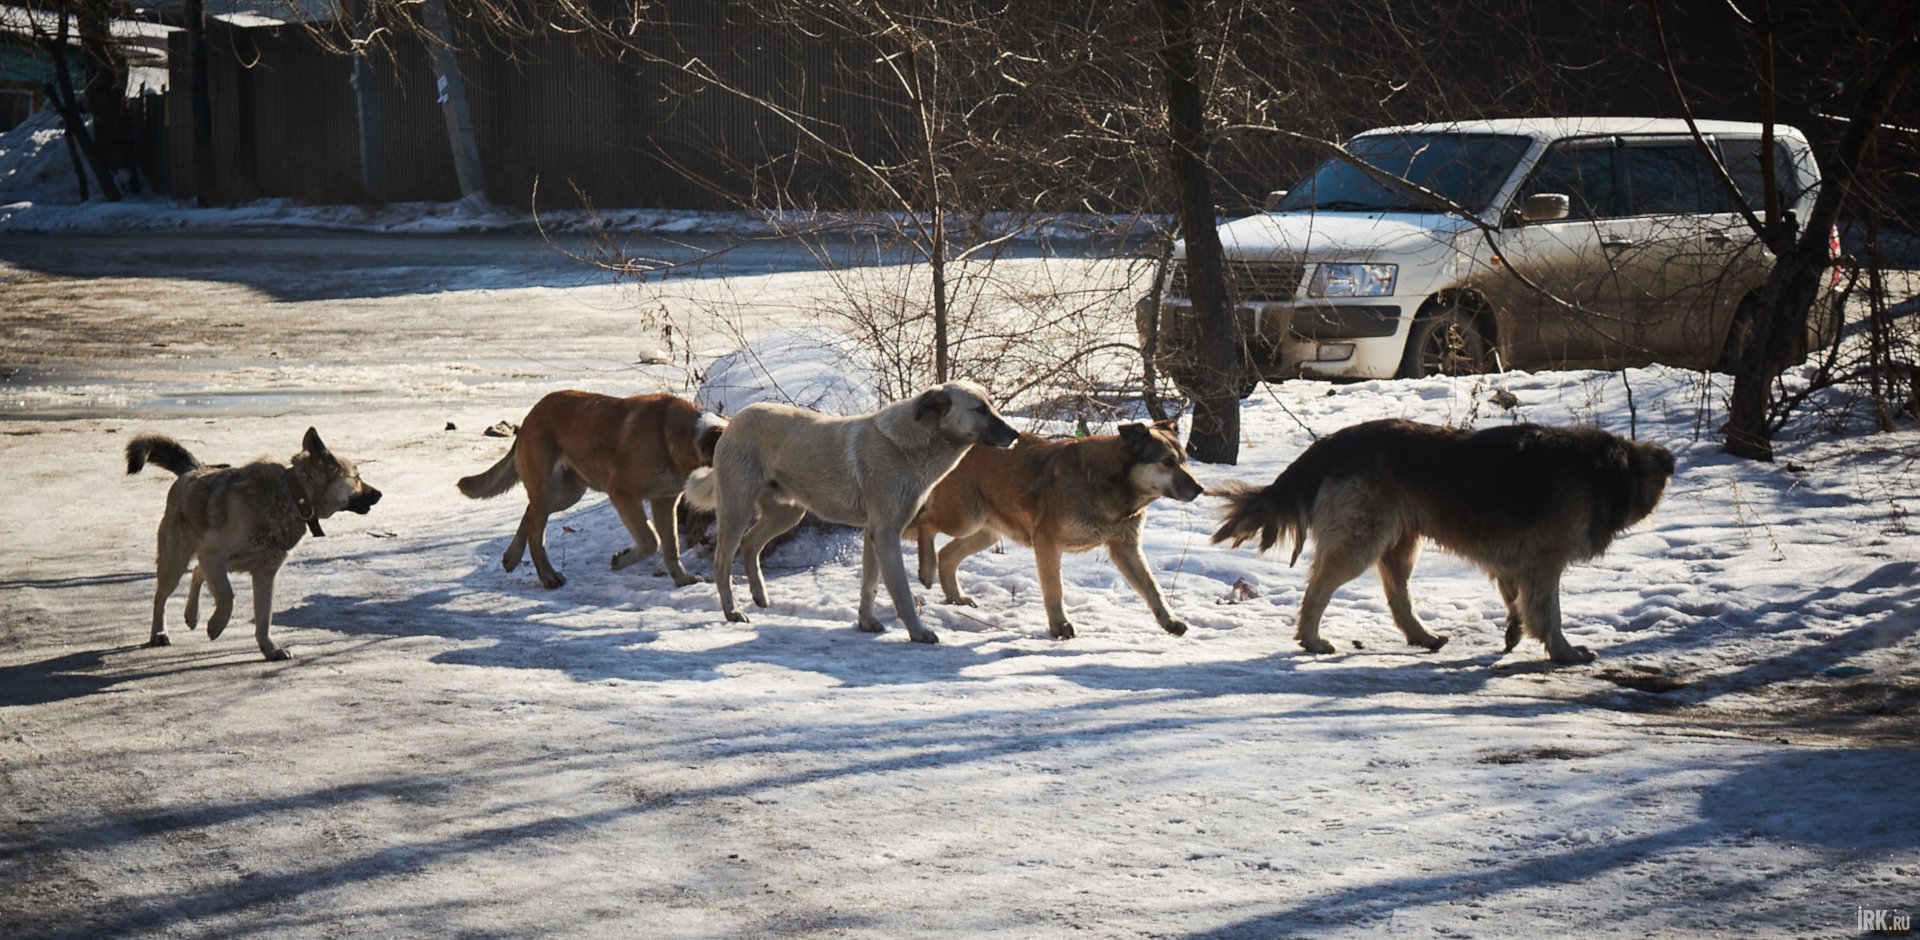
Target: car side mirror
column 1273, row 198
column 1545, row 207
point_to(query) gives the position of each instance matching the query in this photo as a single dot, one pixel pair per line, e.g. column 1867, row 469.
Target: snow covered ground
column 456, row 751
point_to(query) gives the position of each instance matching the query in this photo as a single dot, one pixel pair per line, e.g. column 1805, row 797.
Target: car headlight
column 1353, row 280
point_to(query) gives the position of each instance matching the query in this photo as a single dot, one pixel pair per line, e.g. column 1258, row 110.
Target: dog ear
column 1137, row 438
column 1169, row 425
column 934, row 401
column 317, row 449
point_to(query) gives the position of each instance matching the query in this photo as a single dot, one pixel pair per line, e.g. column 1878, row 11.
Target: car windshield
column 1466, row 168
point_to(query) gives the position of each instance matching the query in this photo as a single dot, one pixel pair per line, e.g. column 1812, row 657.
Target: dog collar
column 304, row 505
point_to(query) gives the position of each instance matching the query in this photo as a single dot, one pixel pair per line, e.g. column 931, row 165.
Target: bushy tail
column 1270, row 511
column 161, row 451
column 701, row 492
column 494, row 480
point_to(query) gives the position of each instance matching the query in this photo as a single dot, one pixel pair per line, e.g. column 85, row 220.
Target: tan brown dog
column 640, row 448
column 1521, row 501
column 870, row 470
column 1059, row 496
column 243, row 519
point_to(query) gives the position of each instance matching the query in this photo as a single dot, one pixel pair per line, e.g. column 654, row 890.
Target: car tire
column 1446, row 340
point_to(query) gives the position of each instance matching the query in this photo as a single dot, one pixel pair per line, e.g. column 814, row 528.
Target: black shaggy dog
column 1521, row 501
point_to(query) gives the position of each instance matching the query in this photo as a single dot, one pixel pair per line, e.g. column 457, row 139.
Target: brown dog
column 635, row 449
column 243, row 519
column 1521, row 501
column 1058, row 496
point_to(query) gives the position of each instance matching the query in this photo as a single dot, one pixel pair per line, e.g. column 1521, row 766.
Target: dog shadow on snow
column 577, row 630
column 599, row 626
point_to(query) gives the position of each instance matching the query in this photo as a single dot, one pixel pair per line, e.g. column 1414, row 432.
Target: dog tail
column 702, row 491
column 495, row 480
column 1270, row 512
column 161, row 451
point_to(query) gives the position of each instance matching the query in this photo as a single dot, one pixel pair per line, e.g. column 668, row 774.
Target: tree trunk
column 199, row 104
column 1215, row 436
column 453, row 102
column 1780, row 324
column 104, row 87
column 67, row 103
column 366, row 108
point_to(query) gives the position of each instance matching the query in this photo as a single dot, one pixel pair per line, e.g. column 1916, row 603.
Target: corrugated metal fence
column 628, row 132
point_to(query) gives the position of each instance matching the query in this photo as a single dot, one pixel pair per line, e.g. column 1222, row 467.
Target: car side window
column 1671, row 179
column 1583, row 172
column 1742, row 157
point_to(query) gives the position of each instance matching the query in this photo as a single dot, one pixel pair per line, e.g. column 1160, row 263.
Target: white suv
column 1593, row 242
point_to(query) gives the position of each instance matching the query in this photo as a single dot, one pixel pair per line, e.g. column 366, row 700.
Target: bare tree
column 1873, row 49
column 105, row 157
column 1215, row 437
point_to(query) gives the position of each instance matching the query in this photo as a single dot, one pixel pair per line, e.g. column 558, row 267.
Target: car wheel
column 1446, row 342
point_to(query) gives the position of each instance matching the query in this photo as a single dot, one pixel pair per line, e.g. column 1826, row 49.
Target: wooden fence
column 625, row 130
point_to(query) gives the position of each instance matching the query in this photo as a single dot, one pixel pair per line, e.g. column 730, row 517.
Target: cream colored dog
column 871, row 470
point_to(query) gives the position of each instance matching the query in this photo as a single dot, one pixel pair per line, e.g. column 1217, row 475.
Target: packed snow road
column 454, row 750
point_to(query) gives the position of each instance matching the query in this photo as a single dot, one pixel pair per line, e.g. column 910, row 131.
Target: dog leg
column 534, row 527
column 864, row 620
column 955, row 552
column 1333, row 565
column 192, row 615
column 1046, row 558
column 730, row 521
column 627, row 505
column 1396, row 566
column 1132, row 563
column 666, row 521
column 775, row 519
column 216, row 578
column 558, row 490
column 924, row 555
column 167, row 575
column 893, row 569
column 1540, row 593
column 1515, row 621
column 263, row 615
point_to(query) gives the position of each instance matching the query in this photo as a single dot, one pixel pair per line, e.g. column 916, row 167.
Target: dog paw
column 734, row 616
column 923, row 636
column 1175, row 627
column 553, row 580
column 683, row 579
column 278, row 654
column 509, row 563
column 1062, row 630
column 870, row 625
column 1316, row 645
column 1569, row 655
column 215, row 627
column 1433, row 643
column 962, row 600
column 160, row 639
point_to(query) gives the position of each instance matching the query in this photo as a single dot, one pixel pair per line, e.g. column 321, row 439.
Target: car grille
column 1248, row 281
